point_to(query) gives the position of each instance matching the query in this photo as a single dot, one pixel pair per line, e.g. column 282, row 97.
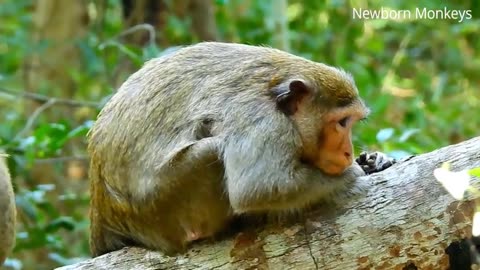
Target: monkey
column 7, row 212
column 216, row 130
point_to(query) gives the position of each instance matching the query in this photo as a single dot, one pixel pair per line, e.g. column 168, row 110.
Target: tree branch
column 406, row 221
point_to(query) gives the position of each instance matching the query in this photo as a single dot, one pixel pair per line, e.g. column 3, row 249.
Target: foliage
column 419, row 78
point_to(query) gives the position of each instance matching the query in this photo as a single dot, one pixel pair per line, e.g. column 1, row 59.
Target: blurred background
column 61, row 60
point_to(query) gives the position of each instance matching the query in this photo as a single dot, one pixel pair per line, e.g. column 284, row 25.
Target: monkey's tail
column 102, row 239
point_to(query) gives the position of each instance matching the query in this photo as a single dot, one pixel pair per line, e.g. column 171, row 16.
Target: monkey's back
column 159, row 106
column 163, row 106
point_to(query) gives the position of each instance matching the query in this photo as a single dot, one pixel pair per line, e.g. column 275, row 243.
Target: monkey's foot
column 374, row 162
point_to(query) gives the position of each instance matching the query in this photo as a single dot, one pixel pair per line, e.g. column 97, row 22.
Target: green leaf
column 150, row 51
column 124, row 49
column 407, row 134
column 398, row 154
column 385, row 134
column 62, row 260
column 28, row 208
column 79, row 131
column 63, row 222
column 474, row 172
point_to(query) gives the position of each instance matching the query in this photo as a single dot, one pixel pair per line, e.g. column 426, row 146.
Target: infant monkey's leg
column 374, row 162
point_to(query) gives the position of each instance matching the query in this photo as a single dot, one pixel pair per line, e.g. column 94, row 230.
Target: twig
column 58, row 101
column 399, row 55
column 144, row 26
column 60, row 159
column 34, row 117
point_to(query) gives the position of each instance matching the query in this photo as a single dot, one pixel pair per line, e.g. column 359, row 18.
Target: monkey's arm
column 264, row 174
column 190, row 154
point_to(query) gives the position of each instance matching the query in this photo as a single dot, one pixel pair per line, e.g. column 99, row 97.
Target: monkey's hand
column 374, row 162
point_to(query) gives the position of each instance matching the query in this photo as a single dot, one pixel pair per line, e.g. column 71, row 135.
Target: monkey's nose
column 349, row 157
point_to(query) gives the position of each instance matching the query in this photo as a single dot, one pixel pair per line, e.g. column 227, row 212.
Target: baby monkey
column 215, row 130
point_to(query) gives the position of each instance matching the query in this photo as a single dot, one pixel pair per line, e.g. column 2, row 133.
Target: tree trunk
column 156, row 12
column 60, row 24
column 280, row 23
column 406, row 221
column 203, row 19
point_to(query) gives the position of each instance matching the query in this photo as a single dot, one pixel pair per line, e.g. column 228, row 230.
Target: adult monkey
column 214, row 130
column 7, row 211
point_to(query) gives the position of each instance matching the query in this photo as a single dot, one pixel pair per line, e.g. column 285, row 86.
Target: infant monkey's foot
column 374, row 162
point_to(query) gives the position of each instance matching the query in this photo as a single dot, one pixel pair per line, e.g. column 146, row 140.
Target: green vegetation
column 420, row 77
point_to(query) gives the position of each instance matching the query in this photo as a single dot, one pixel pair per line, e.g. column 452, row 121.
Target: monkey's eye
column 344, row 121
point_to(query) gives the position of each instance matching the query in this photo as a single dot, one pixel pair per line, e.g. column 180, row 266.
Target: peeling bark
column 406, row 221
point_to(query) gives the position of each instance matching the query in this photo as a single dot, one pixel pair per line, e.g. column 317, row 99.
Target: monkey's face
column 324, row 112
column 335, row 148
column 327, row 140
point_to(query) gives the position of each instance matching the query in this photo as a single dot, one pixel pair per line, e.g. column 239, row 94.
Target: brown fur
column 210, row 131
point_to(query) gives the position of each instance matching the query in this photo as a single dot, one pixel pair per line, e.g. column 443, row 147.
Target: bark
column 406, row 221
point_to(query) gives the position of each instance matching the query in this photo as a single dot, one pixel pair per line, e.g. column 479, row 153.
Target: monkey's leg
column 196, row 172
column 189, row 155
column 182, row 168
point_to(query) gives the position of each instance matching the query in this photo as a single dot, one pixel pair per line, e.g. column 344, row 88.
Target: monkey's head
column 324, row 104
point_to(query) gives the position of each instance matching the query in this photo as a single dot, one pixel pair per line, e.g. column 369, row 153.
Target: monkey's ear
column 288, row 95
